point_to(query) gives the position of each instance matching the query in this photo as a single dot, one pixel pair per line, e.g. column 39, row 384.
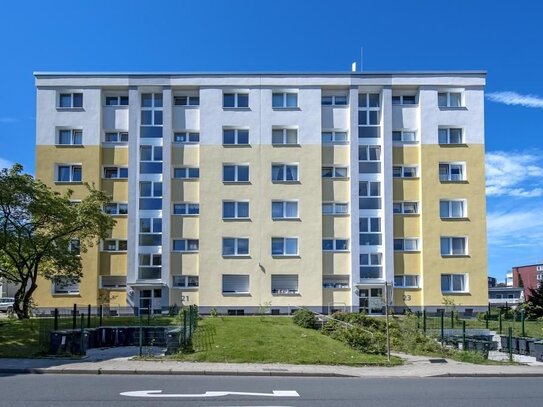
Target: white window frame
column 119, row 98
column 246, row 282
column 335, row 244
column 285, row 167
column 449, row 203
column 119, row 134
column 287, row 290
column 450, row 240
column 117, row 286
column 191, row 100
column 72, row 167
column 236, row 131
column 72, row 288
column 189, row 245
column 465, row 282
column 335, row 137
column 117, row 208
column 411, row 240
column 284, row 211
column 333, row 206
column 186, row 173
column 153, row 109
column 369, row 195
column 374, row 260
column 186, row 206
column 74, row 133
column 403, row 137
column 448, row 135
column 236, row 173
column 285, row 239
column 448, row 95
column 285, row 95
column 236, row 210
column 334, row 169
column 402, row 100
column 285, row 136
column 404, row 170
column 334, row 100
column 236, row 247
column 449, row 176
column 152, row 230
column 236, row 99
column 404, row 279
column 71, row 93
column 185, row 280
column 402, row 205
column 367, row 148
column 192, row 137
column 118, row 169
column 117, row 248
column 152, row 183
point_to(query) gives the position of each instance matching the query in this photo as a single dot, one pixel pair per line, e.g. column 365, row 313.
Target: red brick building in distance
column 528, row 277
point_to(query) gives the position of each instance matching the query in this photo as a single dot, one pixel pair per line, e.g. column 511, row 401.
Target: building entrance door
column 371, row 300
column 150, row 301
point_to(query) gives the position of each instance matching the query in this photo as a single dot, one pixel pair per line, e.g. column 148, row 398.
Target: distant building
column 492, row 281
column 502, row 296
column 527, row 277
column 509, row 279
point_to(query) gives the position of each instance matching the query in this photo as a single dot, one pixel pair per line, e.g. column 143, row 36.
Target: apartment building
column 240, row 190
column 528, row 277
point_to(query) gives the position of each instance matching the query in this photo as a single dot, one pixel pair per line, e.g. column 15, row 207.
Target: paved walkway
column 111, row 362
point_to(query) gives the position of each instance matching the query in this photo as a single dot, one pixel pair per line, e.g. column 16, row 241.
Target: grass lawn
column 271, row 340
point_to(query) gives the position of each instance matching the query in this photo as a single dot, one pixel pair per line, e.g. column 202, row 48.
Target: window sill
column 286, row 256
column 336, row 288
column 407, row 288
column 69, row 145
column 236, row 294
column 287, row 219
column 191, row 215
column 336, row 251
column 451, row 219
column 236, row 256
column 405, row 143
column 335, row 106
column 297, row 294
column 406, row 178
column 461, row 181
column 186, row 179
column 185, row 251
column 452, row 108
column 69, row 182
column 236, row 182
column 451, row 145
column 115, row 179
column 335, row 143
column 236, row 219
column 185, row 288
column 287, row 109
column 285, row 182
column 114, row 251
column 241, row 109
column 108, row 144
column 70, row 109
column 447, row 256
column 407, row 251
column 409, row 215
column 406, row 105
column 336, row 178
column 341, row 215
column 236, row 145
column 282, row 145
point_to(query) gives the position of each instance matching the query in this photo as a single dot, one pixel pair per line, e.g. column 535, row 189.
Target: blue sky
column 501, row 37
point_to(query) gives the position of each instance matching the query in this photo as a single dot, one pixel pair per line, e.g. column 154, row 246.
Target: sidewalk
column 415, row 366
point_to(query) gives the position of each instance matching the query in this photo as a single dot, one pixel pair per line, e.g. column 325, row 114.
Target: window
column 284, row 136
column 235, row 246
column 334, row 137
column 116, row 208
column 186, row 137
column 150, row 159
column 285, row 210
column 405, row 208
column 186, row 173
column 335, row 282
column 116, row 137
column 70, row 137
column 285, row 173
column 454, row 246
column 117, row 100
column 284, row 246
column 185, row 281
column 114, row 245
column 150, row 266
column 370, row 193
column 404, row 100
column 186, row 100
column 452, row 209
column 186, row 245
column 450, row 136
column 335, row 172
column 454, row 283
column 75, row 247
column 369, row 157
column 70, row 100
column 115, row 172
column 186, row 209
column 235, row 284
column 235, row 137
column 449, row 99
column 368, row 115
column 334, row 100
column 236, row 100
column 235, row 173
column 62, row 285
column 284, row 100
column 335, row 208
column 404, row 136
column 235, row 210
column 151, row 115
column 452, row 172
column 404, row 171
column 370, row 265
column 69, row 173
column 370, row 231
column 284, row 284
column 406, row 281
column 150, row 195
column 406, row 244
column 112, row 282
column 335, row 245
column 150, row 225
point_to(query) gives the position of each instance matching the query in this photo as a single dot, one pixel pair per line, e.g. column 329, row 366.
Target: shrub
column 361, row 340
column 305, row 319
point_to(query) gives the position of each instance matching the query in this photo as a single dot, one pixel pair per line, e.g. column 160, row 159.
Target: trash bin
column 58, row 342
column 538, row 350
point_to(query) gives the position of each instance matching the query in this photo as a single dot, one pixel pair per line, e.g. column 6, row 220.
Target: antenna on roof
column 361, row 58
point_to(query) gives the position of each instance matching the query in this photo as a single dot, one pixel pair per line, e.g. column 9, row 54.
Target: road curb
column 528, row 374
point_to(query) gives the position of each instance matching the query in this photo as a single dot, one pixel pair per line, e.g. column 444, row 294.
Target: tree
column 534, row 303
column 42, row 233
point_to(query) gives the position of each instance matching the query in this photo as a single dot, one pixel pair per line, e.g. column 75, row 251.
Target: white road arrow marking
column 158, row 393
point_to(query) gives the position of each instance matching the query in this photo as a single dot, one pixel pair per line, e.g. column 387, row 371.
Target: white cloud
column 514, row 98
column 7, row 120
column 515, row 174
column 520, row 227
column 5, row 163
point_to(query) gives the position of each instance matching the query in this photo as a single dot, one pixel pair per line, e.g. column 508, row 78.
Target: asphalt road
column 105, row 390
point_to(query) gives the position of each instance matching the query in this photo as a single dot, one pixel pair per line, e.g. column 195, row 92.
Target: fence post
column 510, row 342
column 56, row 319
column 500, row 322
column 101, row 311
column 82, row 333
column 487, row 317
column 149, row 315
column 463, row 335
column 74, row 320
column 141, row 338
column 184, row 327
column 442, row 327
column 424, row 322
column 418, row 320
column 452, row 319
column 522, row 321
column 89, row 316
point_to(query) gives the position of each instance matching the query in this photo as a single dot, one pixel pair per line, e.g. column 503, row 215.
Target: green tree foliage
column 37, row 228
column 534, row 305
column 305, row 319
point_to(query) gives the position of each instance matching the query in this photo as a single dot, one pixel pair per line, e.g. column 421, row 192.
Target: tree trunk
column 23, row 299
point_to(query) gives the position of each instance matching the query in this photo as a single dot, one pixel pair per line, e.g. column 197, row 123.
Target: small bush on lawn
column 305, row 319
